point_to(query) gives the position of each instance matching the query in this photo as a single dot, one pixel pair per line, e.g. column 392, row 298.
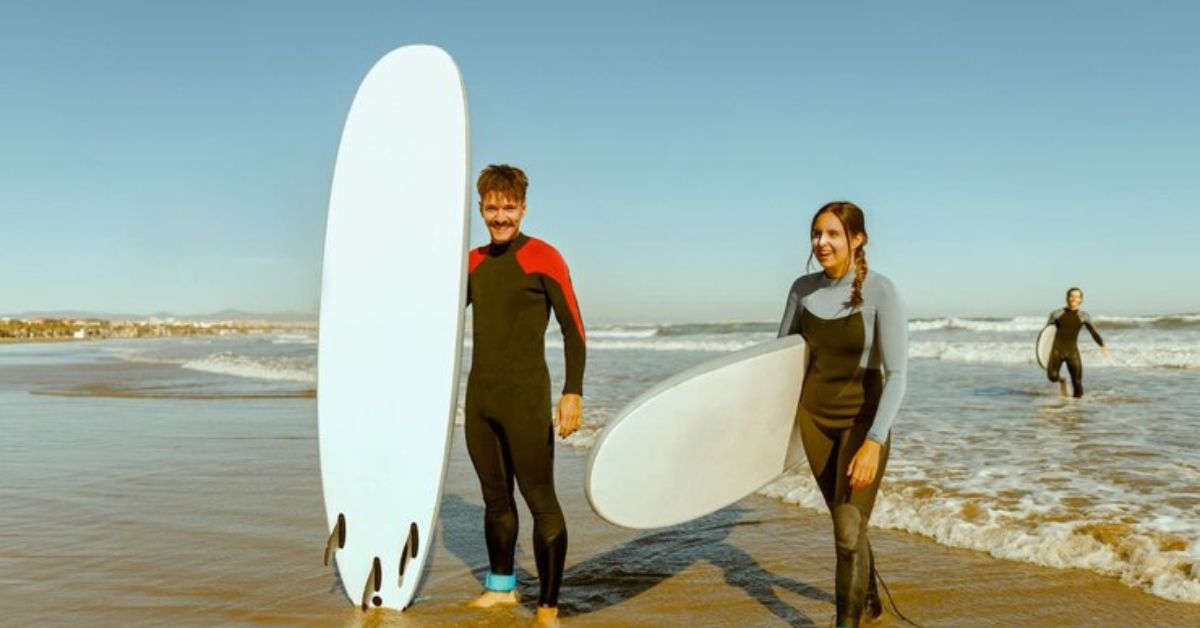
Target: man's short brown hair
column 503, row 179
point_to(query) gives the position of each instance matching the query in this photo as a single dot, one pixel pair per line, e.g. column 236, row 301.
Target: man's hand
column 568, row 414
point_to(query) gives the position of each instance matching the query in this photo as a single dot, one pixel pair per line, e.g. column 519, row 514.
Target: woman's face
column 830, row 245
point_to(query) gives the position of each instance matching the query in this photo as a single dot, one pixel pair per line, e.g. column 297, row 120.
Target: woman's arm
column 891, row 328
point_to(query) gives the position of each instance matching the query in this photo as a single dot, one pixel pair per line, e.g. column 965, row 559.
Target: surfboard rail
column 1044, row 344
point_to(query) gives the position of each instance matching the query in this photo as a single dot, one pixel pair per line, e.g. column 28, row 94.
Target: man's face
column 1074, row 299
column 502, row 215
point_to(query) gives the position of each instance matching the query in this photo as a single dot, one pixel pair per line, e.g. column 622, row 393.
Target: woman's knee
column 848, row 527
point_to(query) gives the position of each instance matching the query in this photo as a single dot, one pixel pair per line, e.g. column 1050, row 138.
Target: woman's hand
column 568, row 414
column 865, row 465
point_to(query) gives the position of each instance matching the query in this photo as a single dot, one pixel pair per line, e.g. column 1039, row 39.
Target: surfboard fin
column 410, row 548
column 338, row 536
column 372, row 585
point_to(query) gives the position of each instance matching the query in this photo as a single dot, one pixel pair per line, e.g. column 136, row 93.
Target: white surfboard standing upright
column 699, row 441
column 393, row 290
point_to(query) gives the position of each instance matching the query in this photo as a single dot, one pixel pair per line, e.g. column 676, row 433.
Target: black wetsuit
column 1067, row 325
column 509, row 428
column 853, row 385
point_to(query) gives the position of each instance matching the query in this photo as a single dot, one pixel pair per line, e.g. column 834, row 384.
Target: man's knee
column 501, row 520
column 551, row 529
column 542, row 500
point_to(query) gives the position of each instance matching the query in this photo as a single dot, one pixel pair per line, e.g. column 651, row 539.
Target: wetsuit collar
column 847, row 278
column 496, row 250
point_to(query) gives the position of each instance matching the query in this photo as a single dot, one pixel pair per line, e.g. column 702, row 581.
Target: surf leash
column 895, row 609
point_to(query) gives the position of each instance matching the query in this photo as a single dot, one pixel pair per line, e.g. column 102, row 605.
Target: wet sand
column 121, row 512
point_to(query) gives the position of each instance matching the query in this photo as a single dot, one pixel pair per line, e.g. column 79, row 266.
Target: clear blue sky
column 177, row 156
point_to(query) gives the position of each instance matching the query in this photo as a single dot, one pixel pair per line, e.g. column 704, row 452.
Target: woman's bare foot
column 496, row 598
column 547, row 617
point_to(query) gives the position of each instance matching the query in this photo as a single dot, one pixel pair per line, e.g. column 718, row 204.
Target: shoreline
column 193, row 333
column 30, row 341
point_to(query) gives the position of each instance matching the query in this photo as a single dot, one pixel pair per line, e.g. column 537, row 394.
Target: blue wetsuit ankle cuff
column 500, row 583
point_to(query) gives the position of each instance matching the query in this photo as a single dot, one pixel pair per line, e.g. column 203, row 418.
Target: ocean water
column 986, row 455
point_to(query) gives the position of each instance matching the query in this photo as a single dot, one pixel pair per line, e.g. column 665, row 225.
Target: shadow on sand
column 636, row 566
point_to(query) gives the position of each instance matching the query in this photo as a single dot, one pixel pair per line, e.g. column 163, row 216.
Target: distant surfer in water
column 1067, row 322
column 515, row 281
column 854, row 324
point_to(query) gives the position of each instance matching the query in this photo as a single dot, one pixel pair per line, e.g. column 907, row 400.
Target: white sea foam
column 1020, row 323
column 715, row 345
column 1142, row 355
column 294, row 339
column 1035, row 323
column 1143, row 555
column 1153, row 355
column 292, row 369
column 131, row 354
column 620, row 332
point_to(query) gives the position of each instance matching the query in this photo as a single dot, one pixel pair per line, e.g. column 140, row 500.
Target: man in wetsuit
column 1067, row 322
column 515, row 281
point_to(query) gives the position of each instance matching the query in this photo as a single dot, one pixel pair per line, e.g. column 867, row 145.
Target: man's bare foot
column 1062, row 387
column 496, row 598
column 547, row 617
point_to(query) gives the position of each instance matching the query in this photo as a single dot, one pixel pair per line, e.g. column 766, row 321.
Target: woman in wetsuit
column 854, row 324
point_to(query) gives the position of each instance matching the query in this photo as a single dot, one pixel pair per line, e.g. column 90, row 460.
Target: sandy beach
column 132, row 511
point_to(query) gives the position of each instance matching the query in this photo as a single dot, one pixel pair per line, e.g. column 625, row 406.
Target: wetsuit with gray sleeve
column 850, row 347
column 1068, row 324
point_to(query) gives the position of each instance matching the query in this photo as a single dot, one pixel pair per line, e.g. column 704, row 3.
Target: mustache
column 501, row 224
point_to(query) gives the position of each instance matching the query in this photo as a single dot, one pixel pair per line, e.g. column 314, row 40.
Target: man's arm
column 557, row 283
column 540, row 258
column 566, row 311
column 1087, row 322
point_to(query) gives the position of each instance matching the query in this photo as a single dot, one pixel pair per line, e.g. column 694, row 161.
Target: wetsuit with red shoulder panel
column 513, row 288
